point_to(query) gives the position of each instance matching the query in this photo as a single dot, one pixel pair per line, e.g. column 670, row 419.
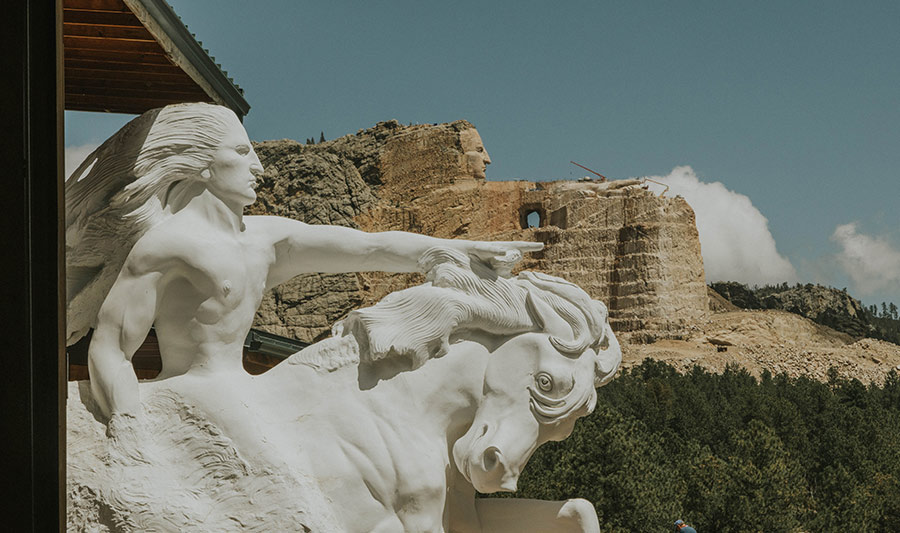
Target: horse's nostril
column 490, row 458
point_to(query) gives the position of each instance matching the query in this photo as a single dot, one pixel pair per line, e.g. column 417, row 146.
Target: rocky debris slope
column 776, row 341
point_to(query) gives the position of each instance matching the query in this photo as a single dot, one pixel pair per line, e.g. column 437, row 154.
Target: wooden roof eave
column 181, row 47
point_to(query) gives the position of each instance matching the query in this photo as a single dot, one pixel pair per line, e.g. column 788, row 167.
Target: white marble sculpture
column 390, row 425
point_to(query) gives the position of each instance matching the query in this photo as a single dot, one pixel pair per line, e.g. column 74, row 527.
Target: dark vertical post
column 32, row 283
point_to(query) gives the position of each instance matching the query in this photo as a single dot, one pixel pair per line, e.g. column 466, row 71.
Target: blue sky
column 793, row 105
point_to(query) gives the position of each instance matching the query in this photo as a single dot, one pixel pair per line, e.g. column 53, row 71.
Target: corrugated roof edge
column 160, row 20
column 271, row 344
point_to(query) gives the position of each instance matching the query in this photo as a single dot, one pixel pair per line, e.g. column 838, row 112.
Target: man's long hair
column 121, row 190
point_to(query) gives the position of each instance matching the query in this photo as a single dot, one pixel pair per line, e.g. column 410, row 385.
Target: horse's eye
column 544, row 382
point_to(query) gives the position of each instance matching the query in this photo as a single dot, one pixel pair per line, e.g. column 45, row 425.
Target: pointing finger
column 529, row 246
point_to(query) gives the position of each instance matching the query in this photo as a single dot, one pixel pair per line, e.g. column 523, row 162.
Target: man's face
column 477, row 157
column 234, row 168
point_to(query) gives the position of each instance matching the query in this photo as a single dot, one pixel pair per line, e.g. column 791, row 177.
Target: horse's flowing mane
column 465, row 294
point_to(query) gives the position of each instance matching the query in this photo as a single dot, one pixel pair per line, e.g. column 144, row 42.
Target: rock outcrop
column 635, row 251
column 317, row 186
column 824, row 305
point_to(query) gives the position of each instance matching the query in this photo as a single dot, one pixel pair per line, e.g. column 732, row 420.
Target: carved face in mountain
column 476, row 156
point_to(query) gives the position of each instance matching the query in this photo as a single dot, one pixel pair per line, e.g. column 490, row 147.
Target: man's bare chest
column 222, row 275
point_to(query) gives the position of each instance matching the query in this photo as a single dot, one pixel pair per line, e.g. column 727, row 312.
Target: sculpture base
column 185, row 474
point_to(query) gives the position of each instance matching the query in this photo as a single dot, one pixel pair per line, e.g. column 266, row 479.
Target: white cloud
column 872, row 263
column 734, row 236
column 75, row 155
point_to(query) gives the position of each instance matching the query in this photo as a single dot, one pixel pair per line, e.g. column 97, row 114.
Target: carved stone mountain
column 621, row 243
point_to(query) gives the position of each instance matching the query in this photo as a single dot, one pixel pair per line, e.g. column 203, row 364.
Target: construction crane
column 643, row 180
column 602, row 177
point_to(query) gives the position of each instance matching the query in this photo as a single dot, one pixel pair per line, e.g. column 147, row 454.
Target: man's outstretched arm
column 302, row 248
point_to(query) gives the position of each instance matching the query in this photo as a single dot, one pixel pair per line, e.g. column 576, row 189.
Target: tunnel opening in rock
column 532, row 216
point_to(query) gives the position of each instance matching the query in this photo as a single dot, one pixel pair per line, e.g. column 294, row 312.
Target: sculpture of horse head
column 558, row 348
column 537, row 385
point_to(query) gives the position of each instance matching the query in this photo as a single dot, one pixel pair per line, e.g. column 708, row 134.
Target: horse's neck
column 449, row 388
